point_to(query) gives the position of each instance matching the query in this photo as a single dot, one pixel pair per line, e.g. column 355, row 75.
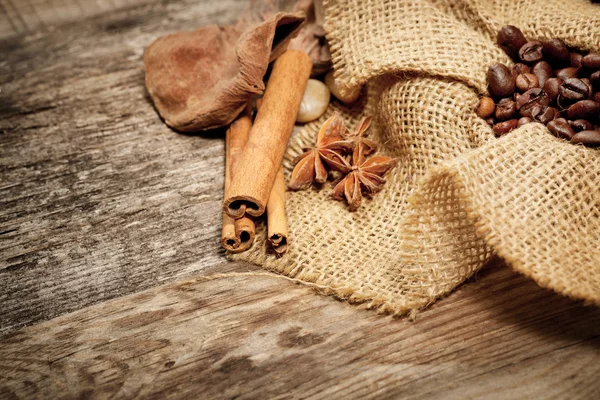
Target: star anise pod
column 329, row 150
column 363, row 177
column 362, row 145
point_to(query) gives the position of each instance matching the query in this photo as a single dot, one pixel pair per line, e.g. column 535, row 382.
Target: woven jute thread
column 458, row 194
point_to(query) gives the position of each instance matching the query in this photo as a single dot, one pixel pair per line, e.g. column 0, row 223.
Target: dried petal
column 204, row 79
column 341, row 146
column 371, row 182
column 304, row 173
column 335, row 161
column 363, row 146
column 362, row 127
column 352, row 191
column 332, row 130
column 338, row 190
column 378, row 165
column 320, row 171
column 307, row 152
column 368, row 145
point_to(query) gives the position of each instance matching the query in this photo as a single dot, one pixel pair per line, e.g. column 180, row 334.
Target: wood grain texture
column 499, row 336
column 18, row 17
column 98, row 198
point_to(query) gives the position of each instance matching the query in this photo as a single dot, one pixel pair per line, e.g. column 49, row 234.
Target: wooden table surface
column 111, row 275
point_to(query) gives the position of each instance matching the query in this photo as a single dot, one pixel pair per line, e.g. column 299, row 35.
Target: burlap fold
column 459, row 195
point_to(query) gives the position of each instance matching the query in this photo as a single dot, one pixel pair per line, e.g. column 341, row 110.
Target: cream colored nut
column 314, row 102
column 335, row 90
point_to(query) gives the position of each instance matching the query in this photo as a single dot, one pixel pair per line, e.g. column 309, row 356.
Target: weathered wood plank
column 500, row 336
column 18, row 17
column 98, row 198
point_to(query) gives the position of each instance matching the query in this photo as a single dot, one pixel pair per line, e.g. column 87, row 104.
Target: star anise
column 329, row 150
column 362, row 145
column 362, row 177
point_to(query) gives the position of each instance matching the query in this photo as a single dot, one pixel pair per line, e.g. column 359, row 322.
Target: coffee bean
column 486, row 107
column 501, row 82
column 524, row 82
column 560, row 128
column 551, row 87
column 574, row 89
column 566, row 73
column 543, row 71
column 595, row 81
column 563, row 103
column 524, row 121
column 511, row 39
column 546, row 115
column 532, row 102
column 521, row 68
column 597, row 97
column 584, row 109
column 502, row 128
column 581, row 125
column 506, row 109
column 556, row 51
column 576, row 60
column 588, row 83
column 587, row 138
column 591, row 61
column 531, row 51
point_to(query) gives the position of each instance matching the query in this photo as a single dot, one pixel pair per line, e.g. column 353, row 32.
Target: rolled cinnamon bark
column 244, row 231
column 237, row 235
column 261, row 158
column 276, row 219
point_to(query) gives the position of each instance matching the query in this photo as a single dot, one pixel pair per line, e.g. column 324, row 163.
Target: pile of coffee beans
column 549, row 83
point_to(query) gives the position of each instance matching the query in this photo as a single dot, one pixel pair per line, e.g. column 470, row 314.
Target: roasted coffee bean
column 561, row 128
column 581, row 125
column 502, row 128
column 563, row 103
column 556, row 51
column 531, row 110
column 576, row 60
column 595, row 81
column 531, row 51
column 506, row 109
column 587, row 138
column 524, row 120
column 511, row 39
column 551, row 87
column 546, row 115
column 524, row 82
column 501, row 81
column 521, row 68
column 516, row 96
column 584, row 109
column 543, row 71
column 532, row 102
column 566, row 73
column 588, row 83
column 574, row 89
column 486, row 107
column 597, row 97
column 591, row 61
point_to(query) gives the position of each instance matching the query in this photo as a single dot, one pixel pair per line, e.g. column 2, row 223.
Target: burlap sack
column 459, row 195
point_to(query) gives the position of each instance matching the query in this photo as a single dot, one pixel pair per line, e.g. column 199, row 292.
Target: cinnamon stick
column 237, row 235
column 262, row 156
column 276, row 219
column 244, row 230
